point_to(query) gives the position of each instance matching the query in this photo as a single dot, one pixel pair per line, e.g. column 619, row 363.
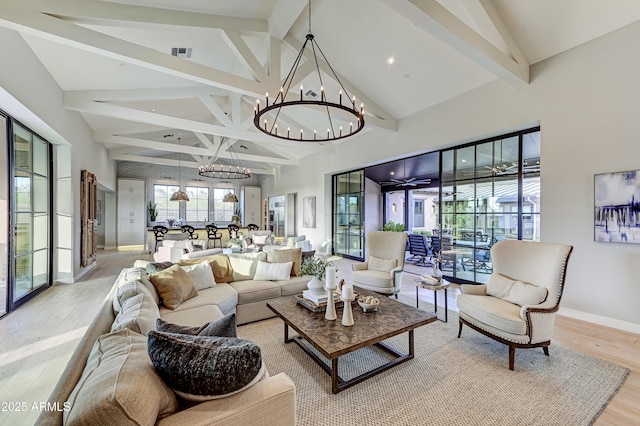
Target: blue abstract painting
column 617, row 207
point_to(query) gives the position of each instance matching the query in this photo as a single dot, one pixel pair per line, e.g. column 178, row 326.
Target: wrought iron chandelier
column 218, row 170
column 179, row 195
column 266, row 119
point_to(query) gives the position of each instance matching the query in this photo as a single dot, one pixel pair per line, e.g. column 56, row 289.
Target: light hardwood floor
column 38, row 339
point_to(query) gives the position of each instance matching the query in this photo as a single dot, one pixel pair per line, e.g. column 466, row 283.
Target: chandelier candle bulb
column 322, row 93
column 301, row 89
column 340, row 130
column 266, row 101
column 314, row 134
column 351, row 127
column 340, row 96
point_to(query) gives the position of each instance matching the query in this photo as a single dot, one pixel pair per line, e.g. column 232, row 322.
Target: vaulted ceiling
column 113, row 61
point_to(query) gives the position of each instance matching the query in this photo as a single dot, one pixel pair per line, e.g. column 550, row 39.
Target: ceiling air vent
column 181, row 52
column 311, row 94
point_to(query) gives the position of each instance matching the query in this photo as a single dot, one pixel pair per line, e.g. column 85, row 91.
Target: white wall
column 586, row 101
column 32, row 96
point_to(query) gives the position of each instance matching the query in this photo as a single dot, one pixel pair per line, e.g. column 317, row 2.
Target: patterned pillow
column 199, row 368
column 223, row 327
column 153, row 267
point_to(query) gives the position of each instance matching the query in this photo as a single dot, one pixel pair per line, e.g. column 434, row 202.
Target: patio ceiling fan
column 406, row 182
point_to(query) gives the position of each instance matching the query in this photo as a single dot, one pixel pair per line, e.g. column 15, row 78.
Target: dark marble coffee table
column 333, row 340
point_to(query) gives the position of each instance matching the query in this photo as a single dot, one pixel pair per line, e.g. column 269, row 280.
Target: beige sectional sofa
column 270, row 401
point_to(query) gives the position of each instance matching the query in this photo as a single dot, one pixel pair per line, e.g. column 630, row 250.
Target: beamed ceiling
column 113, row 61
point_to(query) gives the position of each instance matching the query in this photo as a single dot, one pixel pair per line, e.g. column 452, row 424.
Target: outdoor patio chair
column 418, row 249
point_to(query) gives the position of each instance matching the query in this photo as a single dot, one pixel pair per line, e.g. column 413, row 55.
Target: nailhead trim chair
column 518, row 305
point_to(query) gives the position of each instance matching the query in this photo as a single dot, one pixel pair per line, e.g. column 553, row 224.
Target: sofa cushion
column 244, row 264
column 494, row 312
column 129, row 275
column 515, row 291
column 199, row 368
column 202, row 253
column 273, row 271
column 174, row 286
column 220, row 266
column 127, row 290
column 194, row 317
column 294, row 285
column 139, row 314
column 259, row 239
column 201, row 274
column 109, row 390
column 382, row 265
column 223, row 327
column 222, row 295
column 372, row 278
column 288, row 255
column 252, row 291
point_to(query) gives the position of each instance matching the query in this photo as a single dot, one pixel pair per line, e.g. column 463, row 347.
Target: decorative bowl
column 368, row 303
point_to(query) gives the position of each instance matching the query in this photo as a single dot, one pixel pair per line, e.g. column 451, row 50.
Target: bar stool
column 253, row 227
column 158, row 233
column 212, row 234
column 190, row 230
column 233, row 230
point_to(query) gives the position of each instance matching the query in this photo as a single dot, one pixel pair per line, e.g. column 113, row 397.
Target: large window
column 197, row 208
column 166, row 208
column 222, row 212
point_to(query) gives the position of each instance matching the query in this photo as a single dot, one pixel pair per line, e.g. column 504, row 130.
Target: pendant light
column 179, row 195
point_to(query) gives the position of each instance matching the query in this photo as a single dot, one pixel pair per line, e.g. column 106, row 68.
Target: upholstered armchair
column 382, row 271
column 259, row 239
column 518, row 305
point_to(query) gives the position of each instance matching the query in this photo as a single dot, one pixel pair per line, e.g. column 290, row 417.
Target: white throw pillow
column 273, row 271
column 383, row 265
column 260, row 239
column 201, row 275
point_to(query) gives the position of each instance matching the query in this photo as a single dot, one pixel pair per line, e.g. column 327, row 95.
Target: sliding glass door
column 30, row 257
column 348, row 214
column 4, row 217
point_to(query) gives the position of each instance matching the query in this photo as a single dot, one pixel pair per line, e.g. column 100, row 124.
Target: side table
column 444, row 285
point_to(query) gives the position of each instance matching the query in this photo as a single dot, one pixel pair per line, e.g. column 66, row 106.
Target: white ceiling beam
column 116, row 111
column 275, row 60
column 284, row 15
column 444, row 25
column 494, row 17
column 170, row 162
column 66, row 33
column 204, row 140
column 215, row 109
column 236, row 110
column 134, row 95
column 121, row 14
column 245, row 55
column 192, row 150
column 130, row 129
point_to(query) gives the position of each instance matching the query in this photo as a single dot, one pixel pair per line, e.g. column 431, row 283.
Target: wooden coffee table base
column 337, row 383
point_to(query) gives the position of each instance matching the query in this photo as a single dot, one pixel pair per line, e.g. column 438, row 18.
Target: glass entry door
column 4, row 216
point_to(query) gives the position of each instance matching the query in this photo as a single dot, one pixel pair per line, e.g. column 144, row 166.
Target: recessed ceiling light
column 153, row 110
column 391, row 60
column 392, row 173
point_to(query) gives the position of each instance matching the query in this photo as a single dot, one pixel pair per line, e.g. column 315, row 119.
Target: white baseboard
column 600, row 320
column 84, row 271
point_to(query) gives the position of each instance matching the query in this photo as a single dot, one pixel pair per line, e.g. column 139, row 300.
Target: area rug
column 450, row 381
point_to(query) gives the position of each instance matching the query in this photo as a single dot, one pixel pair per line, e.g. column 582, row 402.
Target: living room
column 584, row 98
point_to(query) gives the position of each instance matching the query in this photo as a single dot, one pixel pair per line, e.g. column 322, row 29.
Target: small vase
column 437, row 273
column 316, row 286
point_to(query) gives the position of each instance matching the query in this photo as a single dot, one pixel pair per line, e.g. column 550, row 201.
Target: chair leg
column 512, row 356
column 546, row 350
column 459, row 328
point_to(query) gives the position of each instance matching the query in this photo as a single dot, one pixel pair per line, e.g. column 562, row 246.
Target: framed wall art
column 617, row 207
column 309, row 212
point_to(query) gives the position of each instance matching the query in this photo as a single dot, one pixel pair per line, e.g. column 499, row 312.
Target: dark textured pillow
column 223, row 327
column 199, row 368
column 157, row 266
